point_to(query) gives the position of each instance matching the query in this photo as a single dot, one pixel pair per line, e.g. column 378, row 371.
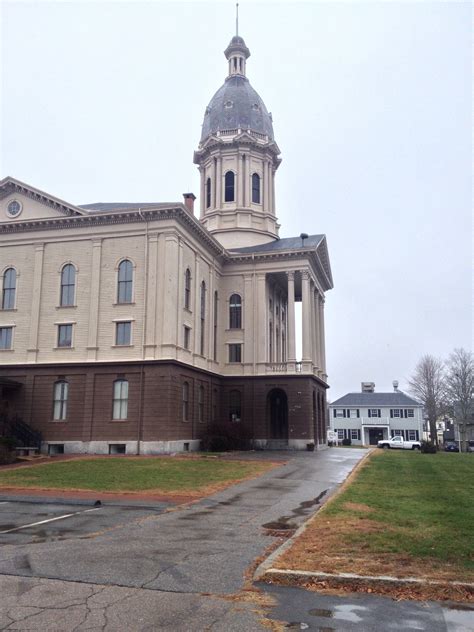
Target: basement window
column 55, row 448
column 117, row 448
column 186, row 447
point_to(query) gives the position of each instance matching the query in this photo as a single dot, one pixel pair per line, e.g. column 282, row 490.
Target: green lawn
column 404, row 511
column 160, row 474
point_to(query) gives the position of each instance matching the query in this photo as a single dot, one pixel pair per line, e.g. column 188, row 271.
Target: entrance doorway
column 375, row 434
column 277, row 402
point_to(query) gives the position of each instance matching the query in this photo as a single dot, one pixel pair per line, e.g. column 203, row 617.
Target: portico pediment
column 21, row 202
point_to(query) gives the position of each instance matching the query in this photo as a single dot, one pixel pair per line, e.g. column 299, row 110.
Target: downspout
column 144, row 319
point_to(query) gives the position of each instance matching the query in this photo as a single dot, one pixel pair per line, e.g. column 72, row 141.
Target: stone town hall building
column 136, row 326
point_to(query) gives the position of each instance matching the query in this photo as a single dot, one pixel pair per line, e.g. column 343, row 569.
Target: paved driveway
column 114, row 568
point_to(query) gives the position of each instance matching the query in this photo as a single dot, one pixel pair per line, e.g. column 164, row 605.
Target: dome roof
column 236, row 105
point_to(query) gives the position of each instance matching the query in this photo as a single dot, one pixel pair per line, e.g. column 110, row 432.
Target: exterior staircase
column 24, row 435
column 276, row 444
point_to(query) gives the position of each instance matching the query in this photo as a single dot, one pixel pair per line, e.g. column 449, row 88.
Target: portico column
column 306, row 308
column 240, row 180
column 203, row 190
column 291, row 320
column 317, row 341
column 261, row 300
column 323, row 342
column 314, row 335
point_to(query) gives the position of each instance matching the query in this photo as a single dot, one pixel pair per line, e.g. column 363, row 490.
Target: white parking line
column 35, row 524
column 4, row 502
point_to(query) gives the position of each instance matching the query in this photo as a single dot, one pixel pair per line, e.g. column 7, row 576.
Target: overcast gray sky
column 371, row 102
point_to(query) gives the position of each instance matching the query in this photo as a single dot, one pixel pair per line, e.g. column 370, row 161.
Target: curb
column 341, row 579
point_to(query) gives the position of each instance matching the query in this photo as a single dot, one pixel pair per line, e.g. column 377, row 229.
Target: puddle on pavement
column 284, row 523
column 320, row 612
column 346, row 613
column 458, row 606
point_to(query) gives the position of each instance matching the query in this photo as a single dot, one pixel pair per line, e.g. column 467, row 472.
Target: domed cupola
column 238, row 158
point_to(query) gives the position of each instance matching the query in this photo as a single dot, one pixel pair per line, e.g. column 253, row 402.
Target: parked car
column 451, row 446
column 400, row 443
column 470, row 445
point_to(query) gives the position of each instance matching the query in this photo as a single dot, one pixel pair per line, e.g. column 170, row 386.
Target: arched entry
column 277, row 405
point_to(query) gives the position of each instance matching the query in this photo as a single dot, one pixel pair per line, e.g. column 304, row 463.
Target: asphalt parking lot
column 35, row 521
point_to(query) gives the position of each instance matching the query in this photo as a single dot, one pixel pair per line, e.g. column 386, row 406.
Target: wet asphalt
column 113, row 567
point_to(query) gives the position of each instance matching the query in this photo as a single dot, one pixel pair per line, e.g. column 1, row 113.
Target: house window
column 396, row 413
column 397, row 433
column 208, row 193
column 235, row 405
column 410, row 412
column 374, row 412
column 187, row 289
column 235, row 312
column 256, row 188
column 340, row 434
column 229, row 181
column 187, row 337
column 64, row 335
column 9, row 289
column 216, row 298
column 60, row 393
column 355, row 434
column 201, row 404
column 6, row 334
column 185, row 401
column 235, row 353
column 125, row 282
column 68, row 285
column 353, row 413
column 120, row 400
column 339, row 413
column 412, row 435
column 203, row 316
column 123, row 333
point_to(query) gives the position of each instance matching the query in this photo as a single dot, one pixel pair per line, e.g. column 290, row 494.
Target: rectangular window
column 187, row 337
column 355, row 434
column 120, row 400
column 412, row 435
column 397, row 413
column 60, row 394
column 398, row 433
column 410, row 412
column 123, row 333
column 6, row 334
column 339, row 413
column 374, row 412
column 340, row 434
column 64, row 335
column 353, row 413
column 235, row 353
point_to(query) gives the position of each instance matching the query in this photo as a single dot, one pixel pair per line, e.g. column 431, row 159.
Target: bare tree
column 427, row 384
column 459, row 390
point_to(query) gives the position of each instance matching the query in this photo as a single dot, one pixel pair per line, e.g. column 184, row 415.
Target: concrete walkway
column 182, row 570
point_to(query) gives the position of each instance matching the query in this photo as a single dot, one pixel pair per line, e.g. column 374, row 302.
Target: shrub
column 225, row 437
column 346, row 442
column 427, row 447
column 8, row 442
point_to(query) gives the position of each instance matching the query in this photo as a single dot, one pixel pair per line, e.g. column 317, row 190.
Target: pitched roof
column 376, row 399
column 287, row 243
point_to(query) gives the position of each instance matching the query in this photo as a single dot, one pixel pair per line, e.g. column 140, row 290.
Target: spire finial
column 236, row 18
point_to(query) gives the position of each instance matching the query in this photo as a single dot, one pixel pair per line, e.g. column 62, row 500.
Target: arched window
column 60, row 393
column 120, row 400
column 185, row 401
column 256, row 188
column 68, row 285
column 235, row 405
column 208, row 193
column 229, row 186
column 235, row 312
column 9, row 289
column 201, row 404
column 187, row 288
column 203, row 316
column 125, row 282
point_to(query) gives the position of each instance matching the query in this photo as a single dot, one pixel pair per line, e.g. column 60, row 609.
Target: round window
column 14, row 208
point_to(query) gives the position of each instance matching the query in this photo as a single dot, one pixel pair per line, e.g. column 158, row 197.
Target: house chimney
column 395, row 385
column 189, row 201
column 367, row 387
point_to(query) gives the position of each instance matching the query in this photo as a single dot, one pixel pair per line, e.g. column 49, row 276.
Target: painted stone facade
column 139, row 325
